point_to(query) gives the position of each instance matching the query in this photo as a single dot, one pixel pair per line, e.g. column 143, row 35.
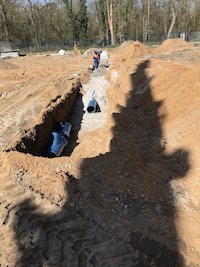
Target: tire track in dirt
column 74, row 235
column 12, row 120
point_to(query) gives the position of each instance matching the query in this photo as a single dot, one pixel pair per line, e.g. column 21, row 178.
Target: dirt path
column 97, row 88
column 83, row 122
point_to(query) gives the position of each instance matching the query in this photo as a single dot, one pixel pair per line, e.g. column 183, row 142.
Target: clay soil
column 126, row 190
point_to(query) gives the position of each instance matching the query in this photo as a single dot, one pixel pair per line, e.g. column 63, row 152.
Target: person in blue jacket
column 96, row 57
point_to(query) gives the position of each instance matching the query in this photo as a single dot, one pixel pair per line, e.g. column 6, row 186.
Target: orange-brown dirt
column 172, row 44
column 128, row 192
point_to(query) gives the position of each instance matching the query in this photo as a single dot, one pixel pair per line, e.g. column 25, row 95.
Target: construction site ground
column 125, row 190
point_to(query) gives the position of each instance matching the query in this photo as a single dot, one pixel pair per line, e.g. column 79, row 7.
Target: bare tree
column 173, row 20
column 109, row 4
column 148, row 20
column 4, row 18
column 33, row 23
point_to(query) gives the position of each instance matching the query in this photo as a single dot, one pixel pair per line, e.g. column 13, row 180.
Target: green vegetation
column 60, row 23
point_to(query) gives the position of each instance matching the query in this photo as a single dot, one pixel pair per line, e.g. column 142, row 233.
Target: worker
column 96, row 57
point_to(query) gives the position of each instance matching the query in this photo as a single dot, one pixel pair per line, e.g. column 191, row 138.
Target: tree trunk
column 4, row 19
column 172, row 23
column 145, row 29
column 148, row 21
column 33, row 24
column 110, row 20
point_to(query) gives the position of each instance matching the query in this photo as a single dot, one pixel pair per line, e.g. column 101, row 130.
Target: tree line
column 103, row 22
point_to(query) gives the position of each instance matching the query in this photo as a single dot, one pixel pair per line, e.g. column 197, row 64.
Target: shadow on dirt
column 122, row 210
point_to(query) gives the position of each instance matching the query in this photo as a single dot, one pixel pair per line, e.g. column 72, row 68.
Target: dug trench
column 72, row 107
column 120, row 210
column 37, row 140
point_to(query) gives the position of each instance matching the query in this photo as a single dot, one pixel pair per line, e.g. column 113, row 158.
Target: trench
column 36, row 140
column 72, row 108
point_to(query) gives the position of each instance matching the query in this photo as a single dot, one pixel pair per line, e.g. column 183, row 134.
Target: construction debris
column 61, row 52
column 9, row 54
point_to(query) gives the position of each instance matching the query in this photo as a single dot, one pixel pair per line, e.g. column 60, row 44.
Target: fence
column 66, row 45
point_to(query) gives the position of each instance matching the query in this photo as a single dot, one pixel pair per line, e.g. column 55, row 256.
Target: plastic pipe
column 66, row 128
column 59, row 143
column 92, row 106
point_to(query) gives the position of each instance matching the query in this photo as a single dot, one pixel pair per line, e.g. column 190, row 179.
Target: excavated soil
column 172, row 44
column 125, row 191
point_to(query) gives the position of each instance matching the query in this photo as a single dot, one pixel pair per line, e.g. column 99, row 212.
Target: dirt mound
column 131, row 49
column 164, row 100
column 7, row 65
column 172, row 44
column 89, row 51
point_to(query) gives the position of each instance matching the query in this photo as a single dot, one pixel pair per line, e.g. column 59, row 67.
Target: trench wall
column 38, row 138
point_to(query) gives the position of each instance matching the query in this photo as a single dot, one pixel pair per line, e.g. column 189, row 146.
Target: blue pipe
column 92, row 106
column 59, row 143
column 60, row 138
column 65, row 129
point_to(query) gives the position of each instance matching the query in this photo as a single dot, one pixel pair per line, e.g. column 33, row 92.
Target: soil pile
column 172, row 44
column 131, row 49
column 161, row 103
